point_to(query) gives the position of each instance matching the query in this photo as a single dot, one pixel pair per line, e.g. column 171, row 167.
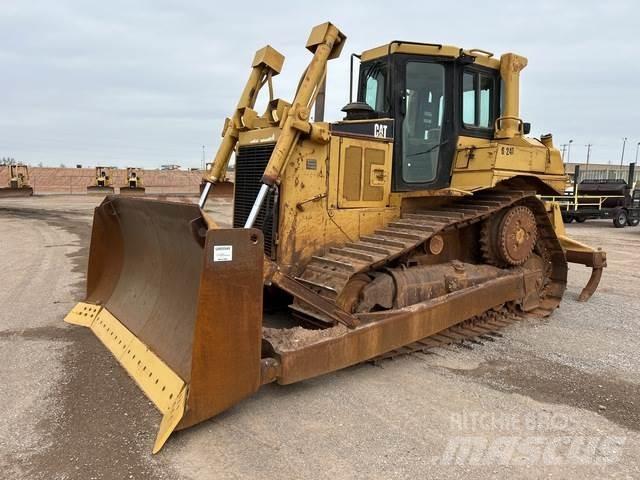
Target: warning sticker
column 222, row 253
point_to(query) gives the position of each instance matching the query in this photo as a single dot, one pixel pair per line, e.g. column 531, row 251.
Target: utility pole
column 203, row 161
column 564, row 149
column 637, row 147
column 624, row 142
column 588, row 145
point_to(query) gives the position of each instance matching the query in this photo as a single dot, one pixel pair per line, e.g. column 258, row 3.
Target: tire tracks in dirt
column 106, row 426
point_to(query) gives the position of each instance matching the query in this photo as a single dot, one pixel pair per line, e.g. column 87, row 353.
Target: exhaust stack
column 510, row 124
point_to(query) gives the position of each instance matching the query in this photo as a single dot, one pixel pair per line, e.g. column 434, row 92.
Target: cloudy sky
column 143, row 83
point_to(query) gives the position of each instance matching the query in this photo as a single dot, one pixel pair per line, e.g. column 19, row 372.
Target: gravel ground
column 553, row 398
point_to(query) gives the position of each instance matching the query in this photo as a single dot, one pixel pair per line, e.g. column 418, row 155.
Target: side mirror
column 526, row 128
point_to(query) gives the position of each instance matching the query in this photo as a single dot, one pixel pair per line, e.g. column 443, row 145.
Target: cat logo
column 380, row 131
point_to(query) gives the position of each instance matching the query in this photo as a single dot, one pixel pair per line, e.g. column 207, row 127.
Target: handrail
column 572, row 200
column 479, row 50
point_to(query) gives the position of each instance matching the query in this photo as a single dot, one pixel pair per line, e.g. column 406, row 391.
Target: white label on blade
column 222, row 253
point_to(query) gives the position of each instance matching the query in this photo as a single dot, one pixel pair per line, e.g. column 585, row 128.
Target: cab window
column 478, row 100
column 373, row 80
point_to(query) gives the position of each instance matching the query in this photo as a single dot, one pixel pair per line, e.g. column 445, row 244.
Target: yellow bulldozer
column 134, row 185
column 102, row 183
column 18, row 184
column 417, row 212
column 224, row 186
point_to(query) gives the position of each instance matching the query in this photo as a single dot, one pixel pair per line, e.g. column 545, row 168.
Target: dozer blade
column 94, row 189
column 178, row 304
column 132, row 191
column 16, row 192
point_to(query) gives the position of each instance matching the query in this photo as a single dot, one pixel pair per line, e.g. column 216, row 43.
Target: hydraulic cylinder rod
column 267, row 61
column 325, row 42
column 256, row 206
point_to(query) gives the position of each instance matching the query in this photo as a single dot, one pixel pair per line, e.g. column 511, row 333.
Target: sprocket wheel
column 508, row 240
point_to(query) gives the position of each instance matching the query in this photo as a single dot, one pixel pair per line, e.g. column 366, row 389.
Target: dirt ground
column 558, row 398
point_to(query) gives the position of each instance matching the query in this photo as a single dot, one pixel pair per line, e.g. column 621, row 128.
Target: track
column 475, row 331
column 329, row 274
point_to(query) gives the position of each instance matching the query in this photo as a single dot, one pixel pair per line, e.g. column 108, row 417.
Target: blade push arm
column 266, row 63
column 326, row 42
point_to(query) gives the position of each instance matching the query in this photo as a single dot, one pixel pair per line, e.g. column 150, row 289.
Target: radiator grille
column 250, row 164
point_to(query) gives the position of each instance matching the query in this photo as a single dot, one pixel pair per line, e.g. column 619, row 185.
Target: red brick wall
column 76, row 180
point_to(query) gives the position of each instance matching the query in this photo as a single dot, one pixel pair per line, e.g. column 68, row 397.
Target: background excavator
column 417, row 212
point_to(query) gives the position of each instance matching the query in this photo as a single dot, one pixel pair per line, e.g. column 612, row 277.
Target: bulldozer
column 417, row 212
column 134, row 184
column 102, row 182
column 18, row 182
column 224, row 186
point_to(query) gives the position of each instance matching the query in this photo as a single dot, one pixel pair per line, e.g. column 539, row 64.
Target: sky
column 145, row 83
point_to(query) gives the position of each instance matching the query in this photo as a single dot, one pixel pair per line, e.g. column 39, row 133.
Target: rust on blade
column 179, row 302
column 225, row 365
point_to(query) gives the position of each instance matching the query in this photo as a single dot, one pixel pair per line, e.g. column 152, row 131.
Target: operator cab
column 434, row 94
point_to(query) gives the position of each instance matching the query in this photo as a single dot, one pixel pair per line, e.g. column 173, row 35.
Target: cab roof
column 484, row 58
